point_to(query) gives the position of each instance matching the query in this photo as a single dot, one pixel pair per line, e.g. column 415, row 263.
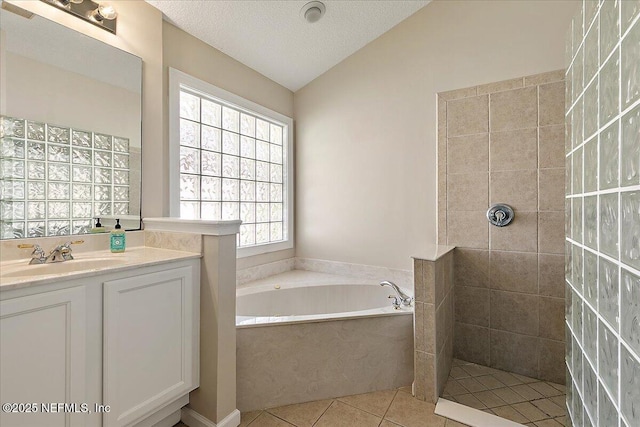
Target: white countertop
column 132, row 258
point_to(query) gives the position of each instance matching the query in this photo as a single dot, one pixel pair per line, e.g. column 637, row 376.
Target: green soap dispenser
column 118, row 241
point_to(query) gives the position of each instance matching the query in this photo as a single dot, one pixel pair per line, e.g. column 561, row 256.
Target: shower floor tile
column 515, row 397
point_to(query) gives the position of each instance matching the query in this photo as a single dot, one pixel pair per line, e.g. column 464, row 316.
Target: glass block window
column 55, row 179
column 231, row 167
column 233, row 164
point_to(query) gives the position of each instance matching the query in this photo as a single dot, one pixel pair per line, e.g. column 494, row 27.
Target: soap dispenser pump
column 98, row 227
column 117, row 241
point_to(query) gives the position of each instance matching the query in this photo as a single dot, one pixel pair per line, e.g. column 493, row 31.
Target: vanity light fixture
column 100, row 14
column 312, row 11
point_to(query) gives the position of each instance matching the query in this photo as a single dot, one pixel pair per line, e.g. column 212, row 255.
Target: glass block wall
column 54, row 179
column 603, row 214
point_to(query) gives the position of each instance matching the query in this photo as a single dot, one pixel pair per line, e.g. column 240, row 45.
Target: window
column 231, row 159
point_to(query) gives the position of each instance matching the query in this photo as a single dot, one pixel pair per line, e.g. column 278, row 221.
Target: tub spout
column 405, row 299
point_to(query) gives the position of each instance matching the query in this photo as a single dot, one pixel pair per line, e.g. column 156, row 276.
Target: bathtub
column 304, row 336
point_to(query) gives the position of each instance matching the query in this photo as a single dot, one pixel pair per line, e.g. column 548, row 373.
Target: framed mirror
column 70, row 130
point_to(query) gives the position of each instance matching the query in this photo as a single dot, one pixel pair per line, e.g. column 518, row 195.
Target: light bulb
column 105, row 11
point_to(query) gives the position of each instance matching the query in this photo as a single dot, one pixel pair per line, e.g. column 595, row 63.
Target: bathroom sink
column 65, row 267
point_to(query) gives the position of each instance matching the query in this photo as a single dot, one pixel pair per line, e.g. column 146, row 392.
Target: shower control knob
column 500, row 215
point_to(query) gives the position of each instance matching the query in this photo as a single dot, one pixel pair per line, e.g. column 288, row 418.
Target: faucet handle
column 396, row 302
column 37, row 255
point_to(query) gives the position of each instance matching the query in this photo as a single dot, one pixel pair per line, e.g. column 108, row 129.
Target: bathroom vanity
column 114, row 336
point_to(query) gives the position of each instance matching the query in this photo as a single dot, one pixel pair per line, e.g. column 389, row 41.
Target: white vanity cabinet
column 43, row 340
column 126, row 339
column 150, row 342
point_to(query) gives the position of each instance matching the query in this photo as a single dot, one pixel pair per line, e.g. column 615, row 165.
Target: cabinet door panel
column 42, row 356
column 148, row 342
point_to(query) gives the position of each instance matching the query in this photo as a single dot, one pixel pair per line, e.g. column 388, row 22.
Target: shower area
column 503, row 143
column 546, row 314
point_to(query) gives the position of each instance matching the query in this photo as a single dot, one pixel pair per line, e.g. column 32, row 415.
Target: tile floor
column 388, row 408
column 521, row 399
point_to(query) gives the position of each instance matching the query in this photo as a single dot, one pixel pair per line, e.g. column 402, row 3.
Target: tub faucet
column 404, row 299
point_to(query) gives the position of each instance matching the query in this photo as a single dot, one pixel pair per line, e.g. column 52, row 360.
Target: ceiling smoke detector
column 312, row 11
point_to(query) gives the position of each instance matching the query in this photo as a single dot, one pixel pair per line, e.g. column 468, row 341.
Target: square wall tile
column 521, row 234
column 471, row 267
column 551, row 275
column 551, row 104
column 551, row 146
column 516, row 188
column 512, row 150
column 551, row 361
column 514, row 271
column 468, row 229
column 551, row 232
column 551, row 189
column 468, row 116
column 466, row 154
column 471, row 343
column 514, row 109
column 514, row 312
column 551, row 318
column 472, row 305
column 467, row 192
column 514, row 353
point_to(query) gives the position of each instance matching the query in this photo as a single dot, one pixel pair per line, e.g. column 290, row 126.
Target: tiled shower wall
column 503, row 143
column 603, row 222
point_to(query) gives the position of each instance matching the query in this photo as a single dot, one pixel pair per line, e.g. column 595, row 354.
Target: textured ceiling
column 272, row 38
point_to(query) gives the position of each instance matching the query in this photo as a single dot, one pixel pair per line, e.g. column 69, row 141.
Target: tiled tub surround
column 318, row 357
column 503, row 143
column 402, row 278
column 55, row 179
column 603, row 214
column 433, row 323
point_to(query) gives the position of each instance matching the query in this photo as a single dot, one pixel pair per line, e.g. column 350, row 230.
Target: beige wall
column 186, row 53
column 366, row 129
column 140, row 33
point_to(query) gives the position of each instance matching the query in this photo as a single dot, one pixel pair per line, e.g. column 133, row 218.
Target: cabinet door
column 148, row 343
column 42, row 357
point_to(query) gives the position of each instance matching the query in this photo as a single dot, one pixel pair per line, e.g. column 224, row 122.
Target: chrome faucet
column 402, row 299
column 58, row 254
column 37, row 256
